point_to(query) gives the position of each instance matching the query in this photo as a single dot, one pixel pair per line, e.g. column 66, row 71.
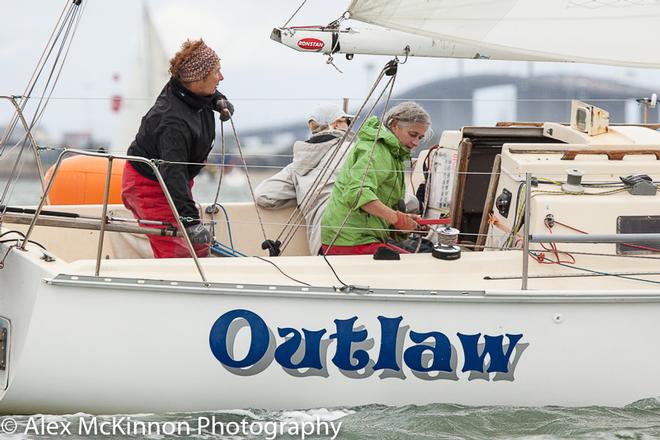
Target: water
column 638, row 421
column 234, row 188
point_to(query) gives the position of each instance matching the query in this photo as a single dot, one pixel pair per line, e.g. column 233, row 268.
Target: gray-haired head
column 407, row 112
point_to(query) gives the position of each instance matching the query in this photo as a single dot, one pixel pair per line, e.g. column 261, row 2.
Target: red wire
column 553, row 248
column 637, row 246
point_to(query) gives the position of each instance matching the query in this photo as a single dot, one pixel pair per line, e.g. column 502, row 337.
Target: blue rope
column 602, row 273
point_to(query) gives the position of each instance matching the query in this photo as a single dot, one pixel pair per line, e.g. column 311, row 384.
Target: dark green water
column 639, row 420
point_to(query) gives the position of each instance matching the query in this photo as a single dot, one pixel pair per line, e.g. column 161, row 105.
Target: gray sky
column 268, row 83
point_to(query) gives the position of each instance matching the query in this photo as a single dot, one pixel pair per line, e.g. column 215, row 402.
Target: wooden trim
column 611, row 154
column 458, row 192
column 489, row 202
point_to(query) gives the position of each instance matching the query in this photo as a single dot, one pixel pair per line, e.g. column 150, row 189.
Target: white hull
column 103, row 346
column 148, row 336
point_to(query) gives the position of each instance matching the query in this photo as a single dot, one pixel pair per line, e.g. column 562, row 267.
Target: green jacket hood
column 369, row 131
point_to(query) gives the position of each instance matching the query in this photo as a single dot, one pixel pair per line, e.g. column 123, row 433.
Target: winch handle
column 433, row 221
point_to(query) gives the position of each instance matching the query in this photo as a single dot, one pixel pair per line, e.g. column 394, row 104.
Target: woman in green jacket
column 362, row 210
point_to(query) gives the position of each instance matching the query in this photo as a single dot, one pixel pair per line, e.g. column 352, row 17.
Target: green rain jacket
column 384, row 181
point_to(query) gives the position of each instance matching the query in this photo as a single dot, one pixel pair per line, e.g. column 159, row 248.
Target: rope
column 247, row 174
column 369, row 112
column 308, row 199
column 282, row 272
column 627, row 277
column 389, row 84
column 222, row 159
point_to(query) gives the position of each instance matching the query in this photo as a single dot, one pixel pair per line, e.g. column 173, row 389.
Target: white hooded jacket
column 290, row 186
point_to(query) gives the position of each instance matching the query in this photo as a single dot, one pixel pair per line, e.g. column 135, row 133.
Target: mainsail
column 614, row 32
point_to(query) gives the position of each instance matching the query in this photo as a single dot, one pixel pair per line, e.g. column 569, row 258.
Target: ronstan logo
column 311, row 44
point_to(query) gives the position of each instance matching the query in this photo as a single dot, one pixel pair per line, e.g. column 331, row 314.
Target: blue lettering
column 389, row 329
column 345, row 336
column 259, row 341
column 499, row 361
column 312, row 356
column 306, row 350
column 441, row 351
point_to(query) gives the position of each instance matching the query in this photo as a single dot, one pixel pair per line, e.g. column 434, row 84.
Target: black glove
column 225, row 108
column 198, row 234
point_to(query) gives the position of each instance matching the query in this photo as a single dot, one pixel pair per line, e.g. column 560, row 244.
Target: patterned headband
column 199, row 64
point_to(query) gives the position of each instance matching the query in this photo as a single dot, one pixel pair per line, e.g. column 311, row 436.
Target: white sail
column 614, row 32
column 145, row 83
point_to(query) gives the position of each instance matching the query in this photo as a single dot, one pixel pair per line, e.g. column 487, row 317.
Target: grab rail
column 104, row 219
column 595, row 238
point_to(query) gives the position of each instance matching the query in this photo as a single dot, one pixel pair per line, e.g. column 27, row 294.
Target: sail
column 614, row 32
column 147, row 79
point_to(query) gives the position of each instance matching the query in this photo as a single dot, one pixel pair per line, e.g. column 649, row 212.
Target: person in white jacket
column 289, row 187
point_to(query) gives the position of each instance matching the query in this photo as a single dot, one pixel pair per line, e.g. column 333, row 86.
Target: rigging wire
column 69, row 26
column 247, row 175
column 294, row 14
column 312, row 195
column 31, row 82
column 389, row 87
column 333, row 98
column 212, row 209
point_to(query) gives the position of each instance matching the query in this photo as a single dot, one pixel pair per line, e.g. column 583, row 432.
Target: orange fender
column 80, row 180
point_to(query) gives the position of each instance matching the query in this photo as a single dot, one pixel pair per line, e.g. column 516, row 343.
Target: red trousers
column 146, row 200
column 361, row 249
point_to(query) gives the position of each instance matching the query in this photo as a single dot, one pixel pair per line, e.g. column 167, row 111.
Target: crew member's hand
column 405, row 222
column 198, row 234
column 225, row 108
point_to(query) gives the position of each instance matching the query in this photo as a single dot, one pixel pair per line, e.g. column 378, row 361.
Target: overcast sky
column 268, row 83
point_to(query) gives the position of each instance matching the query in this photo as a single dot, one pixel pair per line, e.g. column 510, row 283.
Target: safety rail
column 28, row 134
column 104, row 219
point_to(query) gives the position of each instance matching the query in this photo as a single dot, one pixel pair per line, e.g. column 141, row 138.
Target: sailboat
column 549, row 296
column 145, row 81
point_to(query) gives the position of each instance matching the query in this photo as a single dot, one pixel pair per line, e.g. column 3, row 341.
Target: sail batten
column 614, row 32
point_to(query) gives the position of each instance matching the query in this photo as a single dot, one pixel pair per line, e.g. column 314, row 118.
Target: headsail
column 146, row 81
column 614, row 32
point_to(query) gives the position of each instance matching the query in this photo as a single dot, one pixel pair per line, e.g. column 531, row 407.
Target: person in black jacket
column 179, row 130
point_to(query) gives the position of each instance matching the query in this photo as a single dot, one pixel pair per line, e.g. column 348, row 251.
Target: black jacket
column 180, row 127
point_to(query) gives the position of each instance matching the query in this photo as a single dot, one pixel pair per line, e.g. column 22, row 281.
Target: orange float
column 80, row 180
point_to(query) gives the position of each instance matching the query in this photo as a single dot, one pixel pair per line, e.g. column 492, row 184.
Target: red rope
column 637, row 246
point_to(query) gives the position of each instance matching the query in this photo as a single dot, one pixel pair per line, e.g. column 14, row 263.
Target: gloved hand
column 225, row 108
column 405, row 222
column 198, row 234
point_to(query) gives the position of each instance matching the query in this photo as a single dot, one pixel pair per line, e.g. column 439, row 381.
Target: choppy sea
column 639, row 420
